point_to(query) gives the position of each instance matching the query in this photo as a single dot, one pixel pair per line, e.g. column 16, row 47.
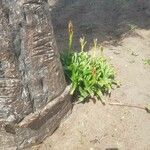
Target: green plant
column 90, row 77
column 147, row 61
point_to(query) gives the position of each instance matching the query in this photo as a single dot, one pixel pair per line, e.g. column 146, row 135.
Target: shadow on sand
column 107, row 20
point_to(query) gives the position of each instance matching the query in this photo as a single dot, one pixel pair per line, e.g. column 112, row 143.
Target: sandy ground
column 124, row 31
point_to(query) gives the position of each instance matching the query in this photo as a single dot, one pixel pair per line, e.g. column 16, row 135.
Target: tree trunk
column 33, row 91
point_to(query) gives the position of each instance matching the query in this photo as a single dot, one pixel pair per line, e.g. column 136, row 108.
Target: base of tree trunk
column 35, row 127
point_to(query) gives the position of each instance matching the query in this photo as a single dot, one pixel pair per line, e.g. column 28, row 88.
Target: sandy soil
column 123, row 28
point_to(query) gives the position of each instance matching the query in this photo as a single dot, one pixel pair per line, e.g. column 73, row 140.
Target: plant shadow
column 107, row 20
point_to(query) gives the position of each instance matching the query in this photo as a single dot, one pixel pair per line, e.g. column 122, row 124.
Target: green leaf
column 73, row 88
column 99, row 93
column 81, row 99
column 91, row 92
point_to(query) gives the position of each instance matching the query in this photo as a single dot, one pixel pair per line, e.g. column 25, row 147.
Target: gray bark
column 31, row 75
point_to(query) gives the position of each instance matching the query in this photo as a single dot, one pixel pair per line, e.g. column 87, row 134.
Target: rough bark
column 31, row 75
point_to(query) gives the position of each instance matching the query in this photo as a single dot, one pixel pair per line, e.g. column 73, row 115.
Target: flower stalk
column 82, row 43
column 70, row 31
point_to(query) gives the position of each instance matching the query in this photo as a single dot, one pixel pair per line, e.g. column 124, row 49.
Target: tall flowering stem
column 95, row 46
column 70, row 31
column 82, row 43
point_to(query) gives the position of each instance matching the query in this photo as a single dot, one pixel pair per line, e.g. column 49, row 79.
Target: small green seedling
column 132, row 27
column 146, row 61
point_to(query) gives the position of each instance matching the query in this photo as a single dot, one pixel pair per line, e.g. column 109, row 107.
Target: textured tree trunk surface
column 33, row 92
